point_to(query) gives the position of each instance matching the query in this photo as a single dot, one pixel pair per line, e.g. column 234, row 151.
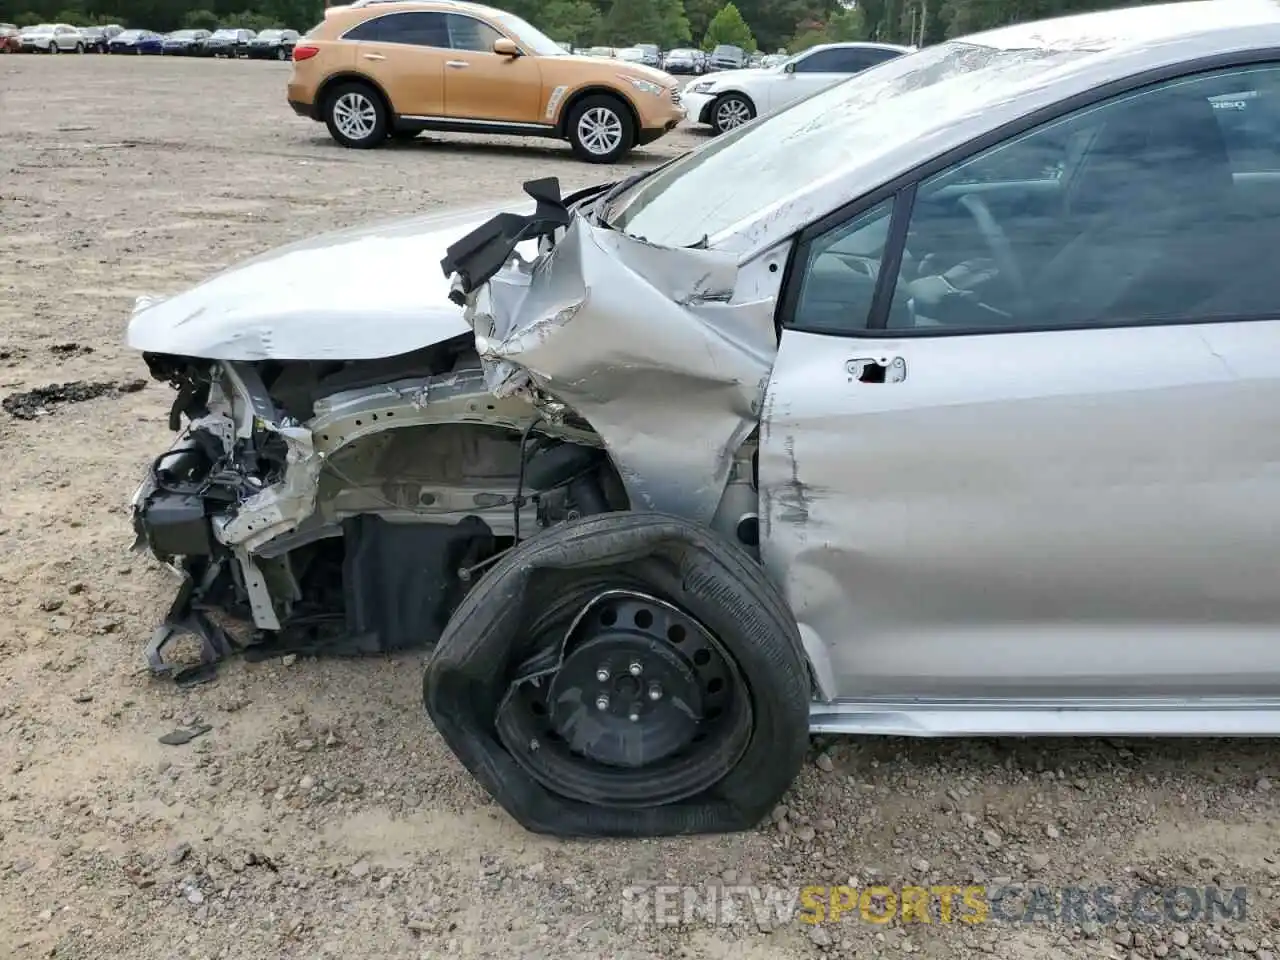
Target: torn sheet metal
column 279, row 508
column 644, row 342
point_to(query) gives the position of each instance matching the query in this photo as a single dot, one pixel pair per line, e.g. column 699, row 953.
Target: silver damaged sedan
column 942, row 403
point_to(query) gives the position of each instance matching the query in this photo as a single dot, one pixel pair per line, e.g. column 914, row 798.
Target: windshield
column 225, row 34
column 129, row 35
column 631, row 54
column 182, row 35
column 42, row 28
column 702, row 193
column 271, row 35
column 528, row 36
column 680, row 54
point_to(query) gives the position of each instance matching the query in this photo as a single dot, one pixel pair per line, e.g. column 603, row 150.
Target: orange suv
column 393, row 68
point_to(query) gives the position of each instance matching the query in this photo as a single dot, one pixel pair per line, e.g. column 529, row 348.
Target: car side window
column 423, row 29
column 1157, row 206
column 824, row 61
column 468, row 33
column 838, row 277
column 853, row 60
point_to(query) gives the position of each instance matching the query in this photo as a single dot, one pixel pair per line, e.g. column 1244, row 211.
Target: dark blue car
column 137, row 42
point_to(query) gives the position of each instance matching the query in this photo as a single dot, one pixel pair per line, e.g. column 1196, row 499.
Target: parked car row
column 682, row 60
column 231, row 42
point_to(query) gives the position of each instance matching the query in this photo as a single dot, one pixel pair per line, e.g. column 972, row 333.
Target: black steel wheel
column 646, row 707
column 625, row 674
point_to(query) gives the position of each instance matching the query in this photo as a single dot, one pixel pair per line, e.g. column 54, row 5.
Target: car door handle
column 876, row 370
column 374, row 56
column 456, row 64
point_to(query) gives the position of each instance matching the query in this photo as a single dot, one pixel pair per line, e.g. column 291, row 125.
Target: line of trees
column 767, row 25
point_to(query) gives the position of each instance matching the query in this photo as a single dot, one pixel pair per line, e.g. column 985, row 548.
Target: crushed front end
column 344, row 504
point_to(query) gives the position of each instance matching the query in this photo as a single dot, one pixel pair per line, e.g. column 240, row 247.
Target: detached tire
column 601, row 129
column 625, row 675
column 356, row 116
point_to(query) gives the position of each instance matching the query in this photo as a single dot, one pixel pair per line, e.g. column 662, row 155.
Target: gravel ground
column 321, row 815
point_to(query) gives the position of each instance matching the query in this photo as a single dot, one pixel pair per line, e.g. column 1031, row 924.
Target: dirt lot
column 321, row 815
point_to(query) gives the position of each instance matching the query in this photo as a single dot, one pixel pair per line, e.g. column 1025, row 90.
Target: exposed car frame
column 667, row 467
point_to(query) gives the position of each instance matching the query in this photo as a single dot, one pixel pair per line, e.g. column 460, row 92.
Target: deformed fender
column 488, row 637
column 648, row 344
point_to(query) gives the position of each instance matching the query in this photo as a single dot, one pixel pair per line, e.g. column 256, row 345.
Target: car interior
column 1153, row 207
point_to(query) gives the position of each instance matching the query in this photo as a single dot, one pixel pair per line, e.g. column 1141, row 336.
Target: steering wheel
column 997, row 242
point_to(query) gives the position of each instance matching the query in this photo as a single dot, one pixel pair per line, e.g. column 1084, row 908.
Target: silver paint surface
column 996, row 542
column 364, row 293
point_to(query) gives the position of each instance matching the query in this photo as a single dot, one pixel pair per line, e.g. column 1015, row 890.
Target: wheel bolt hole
column 713, row 713
column 538, row 708
column 702, row 657
column 608, row 616
column 644, row 619
column 699, row 736
column 675, row 633
column 715, row 684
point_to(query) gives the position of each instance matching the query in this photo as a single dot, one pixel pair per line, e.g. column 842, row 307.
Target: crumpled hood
column 357, row 294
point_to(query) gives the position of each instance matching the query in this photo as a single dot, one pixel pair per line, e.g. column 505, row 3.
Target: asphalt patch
column 42, row 401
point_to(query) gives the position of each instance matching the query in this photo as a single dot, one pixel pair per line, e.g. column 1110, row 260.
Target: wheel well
column 562, row 127
column 740, row 93
column 322, row 95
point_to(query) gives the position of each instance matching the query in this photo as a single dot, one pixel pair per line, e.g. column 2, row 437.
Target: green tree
column 569, row 21
column 727, row 26
column 844, row 26
column 647, row 21
column 699, row 13
column 200, row 20
column 774, row 22
column 251, row 20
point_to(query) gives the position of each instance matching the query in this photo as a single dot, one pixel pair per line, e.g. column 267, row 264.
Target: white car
column 732, row 98
column 53, row 38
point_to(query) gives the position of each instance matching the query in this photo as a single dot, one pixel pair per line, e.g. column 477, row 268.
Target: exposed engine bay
column 346, row 507
column 338, row 491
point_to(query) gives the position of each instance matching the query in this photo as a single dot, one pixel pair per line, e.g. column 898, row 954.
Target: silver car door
column 1022, row 436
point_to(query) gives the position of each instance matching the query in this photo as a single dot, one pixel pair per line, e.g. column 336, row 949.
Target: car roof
column 1099, row 48
column 461, row 6
column 856, row 44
